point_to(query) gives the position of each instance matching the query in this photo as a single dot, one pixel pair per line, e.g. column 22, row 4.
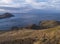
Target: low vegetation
column 43, row 25
column 27, row 35
column 48, row 23
column 47, row 36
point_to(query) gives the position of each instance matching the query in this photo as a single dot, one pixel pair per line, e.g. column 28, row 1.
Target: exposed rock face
column 6, row 15
column 48, row 24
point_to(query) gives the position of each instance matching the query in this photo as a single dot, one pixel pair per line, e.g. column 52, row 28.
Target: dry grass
column 26, row 36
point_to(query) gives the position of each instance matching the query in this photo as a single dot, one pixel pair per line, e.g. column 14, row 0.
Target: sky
column 21, row 6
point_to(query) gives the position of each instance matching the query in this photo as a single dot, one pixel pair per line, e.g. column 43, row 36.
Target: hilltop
column 28, row 36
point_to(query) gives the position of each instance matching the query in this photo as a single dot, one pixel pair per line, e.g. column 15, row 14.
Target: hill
column 29, row 36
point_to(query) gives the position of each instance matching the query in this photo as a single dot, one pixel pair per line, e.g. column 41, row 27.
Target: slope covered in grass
column 28, row 36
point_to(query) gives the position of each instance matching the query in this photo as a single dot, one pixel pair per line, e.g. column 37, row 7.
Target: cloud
column 47, row 4
column 37, row 4
column 6, row 1
column 15, row 10
column 16, row 6
column 9, row 3
column 27, row 5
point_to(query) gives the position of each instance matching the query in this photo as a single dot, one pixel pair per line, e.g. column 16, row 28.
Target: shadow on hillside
column 42, row 25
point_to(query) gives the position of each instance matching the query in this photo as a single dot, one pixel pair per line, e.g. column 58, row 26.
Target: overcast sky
column 17, row 6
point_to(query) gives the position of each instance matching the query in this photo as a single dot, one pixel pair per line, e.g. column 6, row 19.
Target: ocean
column 24, row 19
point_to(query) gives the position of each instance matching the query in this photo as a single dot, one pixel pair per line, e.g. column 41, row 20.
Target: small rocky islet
column 6, row 15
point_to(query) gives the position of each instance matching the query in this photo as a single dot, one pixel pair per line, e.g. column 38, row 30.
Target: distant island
column 6, row 15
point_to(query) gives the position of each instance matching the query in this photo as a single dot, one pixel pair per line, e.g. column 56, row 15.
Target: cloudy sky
column 17, row 6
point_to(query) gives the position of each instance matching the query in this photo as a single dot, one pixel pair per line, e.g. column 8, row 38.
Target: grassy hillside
column 28, row 36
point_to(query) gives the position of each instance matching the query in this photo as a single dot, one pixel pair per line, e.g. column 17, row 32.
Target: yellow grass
column 45, row 36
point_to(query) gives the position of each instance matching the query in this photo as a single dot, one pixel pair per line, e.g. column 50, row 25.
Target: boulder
column 6, row 15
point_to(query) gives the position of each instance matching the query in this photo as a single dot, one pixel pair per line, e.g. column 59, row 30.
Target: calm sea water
column 25, row 19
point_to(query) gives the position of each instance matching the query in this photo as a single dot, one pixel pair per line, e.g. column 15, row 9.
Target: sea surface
column 24, row 19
